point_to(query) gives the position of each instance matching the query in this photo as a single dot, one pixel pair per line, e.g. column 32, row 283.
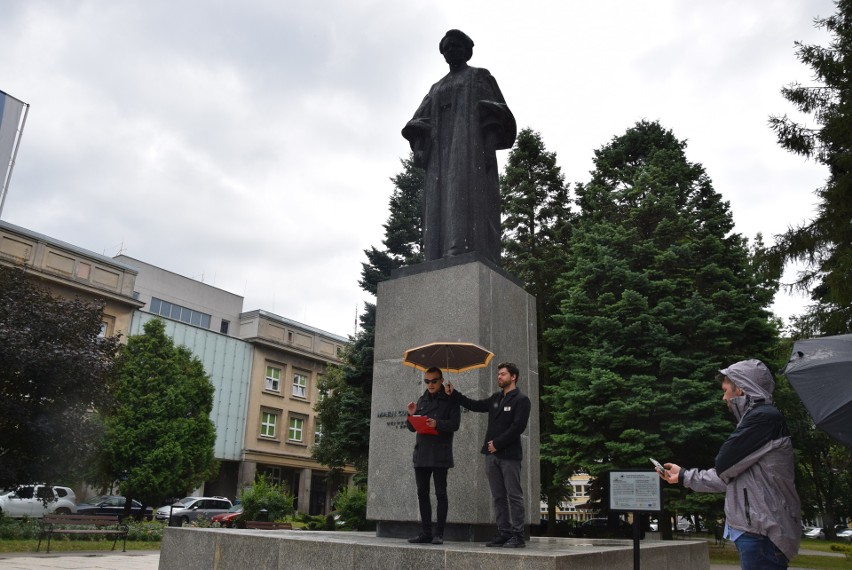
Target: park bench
column 264, row 525
column 73, row 524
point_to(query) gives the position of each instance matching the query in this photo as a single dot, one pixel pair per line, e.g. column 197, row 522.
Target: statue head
column 456, row 38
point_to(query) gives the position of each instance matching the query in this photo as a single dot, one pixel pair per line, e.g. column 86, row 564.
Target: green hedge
column 23, row 529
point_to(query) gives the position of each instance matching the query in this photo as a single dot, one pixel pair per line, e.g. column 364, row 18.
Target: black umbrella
column 820, row 370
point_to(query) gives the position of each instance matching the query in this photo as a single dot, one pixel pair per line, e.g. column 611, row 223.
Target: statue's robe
column 454, row 135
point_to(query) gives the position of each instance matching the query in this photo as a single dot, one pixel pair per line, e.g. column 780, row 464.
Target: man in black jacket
column 508, row 413
column 433, row 453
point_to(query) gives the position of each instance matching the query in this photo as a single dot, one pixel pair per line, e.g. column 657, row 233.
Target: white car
column 35, row 501
column 845, row 534
column 193, row 508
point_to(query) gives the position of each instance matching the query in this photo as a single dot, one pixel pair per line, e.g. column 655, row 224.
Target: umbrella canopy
column 449, row 356
column 820, row 370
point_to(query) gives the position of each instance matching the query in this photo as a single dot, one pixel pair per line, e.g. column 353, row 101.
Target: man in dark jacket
column 755, row 468
column 433, row 453
column 508, row 413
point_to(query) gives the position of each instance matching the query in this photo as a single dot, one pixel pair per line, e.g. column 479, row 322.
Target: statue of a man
column 454, row 135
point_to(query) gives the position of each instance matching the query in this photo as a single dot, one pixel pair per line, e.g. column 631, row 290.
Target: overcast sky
column 250, row 144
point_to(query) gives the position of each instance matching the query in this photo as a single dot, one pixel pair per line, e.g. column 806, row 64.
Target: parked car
column 113, row 505
column 599, row 528
column 192, row 508
column 813, row 532
column 35, row 501
column 845, row 534
column 228, row 519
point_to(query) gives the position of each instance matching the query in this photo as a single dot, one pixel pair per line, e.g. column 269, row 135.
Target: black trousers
column 422, row 476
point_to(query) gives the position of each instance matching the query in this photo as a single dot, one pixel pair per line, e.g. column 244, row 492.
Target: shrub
column 150, row 531
column 266, row 495
column 19, row 529
column 352, row 506
column 312, row 522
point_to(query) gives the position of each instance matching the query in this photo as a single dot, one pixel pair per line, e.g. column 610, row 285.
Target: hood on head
column 752, row 377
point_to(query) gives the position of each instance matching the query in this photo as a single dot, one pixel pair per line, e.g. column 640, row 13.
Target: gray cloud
column 252, row 143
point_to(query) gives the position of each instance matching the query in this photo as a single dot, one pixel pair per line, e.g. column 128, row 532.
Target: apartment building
column 265, row 368
column 69, row 271
column 575, row 506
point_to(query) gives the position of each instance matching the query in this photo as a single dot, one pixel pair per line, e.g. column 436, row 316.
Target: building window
column 178, row 313
column 297, row 427
column 267, row 424
column 322, row 388
column 300, row 385
column 273, row 379
column 271, row 472
column 223, row 327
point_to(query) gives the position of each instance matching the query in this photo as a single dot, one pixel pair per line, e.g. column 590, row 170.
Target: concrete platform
column 232, row 549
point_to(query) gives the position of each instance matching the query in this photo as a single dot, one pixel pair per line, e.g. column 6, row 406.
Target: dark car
column 599, row 528
column 113, row 505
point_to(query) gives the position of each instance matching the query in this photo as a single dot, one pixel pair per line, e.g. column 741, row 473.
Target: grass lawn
column 728, row 555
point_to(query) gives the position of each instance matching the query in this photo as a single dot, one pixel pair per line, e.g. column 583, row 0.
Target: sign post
column 635, row 491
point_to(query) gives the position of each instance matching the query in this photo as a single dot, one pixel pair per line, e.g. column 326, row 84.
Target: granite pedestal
column 457, row 300
column 231, row 549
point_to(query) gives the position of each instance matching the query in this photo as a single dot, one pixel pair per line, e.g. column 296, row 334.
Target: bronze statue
column 454, row 135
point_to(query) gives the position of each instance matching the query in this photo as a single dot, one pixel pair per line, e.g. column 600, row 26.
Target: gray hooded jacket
column 755, row 465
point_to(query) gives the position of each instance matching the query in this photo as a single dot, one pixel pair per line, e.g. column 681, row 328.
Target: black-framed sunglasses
column 432, row 381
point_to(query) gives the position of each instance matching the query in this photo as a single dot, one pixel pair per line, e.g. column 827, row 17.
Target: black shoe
column 437, row 539
column 498, row 540
column 515, row 542
column 421, row 539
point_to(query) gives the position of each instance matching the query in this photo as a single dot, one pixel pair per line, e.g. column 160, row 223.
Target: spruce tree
column 824, row 243
column 657, row 295
column 536, row 226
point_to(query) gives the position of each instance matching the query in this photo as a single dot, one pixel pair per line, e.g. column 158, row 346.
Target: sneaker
column 498, row 540
column 437, row 539
column 421, row 539
column 515, row 542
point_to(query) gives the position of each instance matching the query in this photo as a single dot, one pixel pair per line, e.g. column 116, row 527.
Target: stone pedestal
column 457, row 300
column 190, row 548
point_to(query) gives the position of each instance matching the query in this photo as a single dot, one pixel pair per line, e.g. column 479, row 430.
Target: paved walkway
column 132, row 560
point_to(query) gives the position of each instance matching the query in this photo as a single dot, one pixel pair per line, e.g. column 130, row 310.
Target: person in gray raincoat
column 755, row 468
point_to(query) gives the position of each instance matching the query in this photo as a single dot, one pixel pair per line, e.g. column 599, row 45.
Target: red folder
column 419, row 423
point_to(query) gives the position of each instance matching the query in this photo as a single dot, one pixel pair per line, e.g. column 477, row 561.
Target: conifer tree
column 536, row 226
column 657, row 295
column 824, row 243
